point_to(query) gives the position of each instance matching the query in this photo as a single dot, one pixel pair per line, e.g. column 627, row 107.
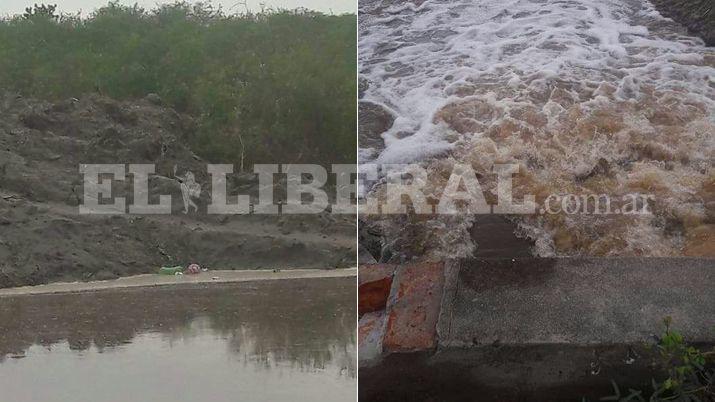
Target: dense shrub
column 278, row 84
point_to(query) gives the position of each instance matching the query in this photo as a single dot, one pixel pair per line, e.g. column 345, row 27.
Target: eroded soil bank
column 43, row 237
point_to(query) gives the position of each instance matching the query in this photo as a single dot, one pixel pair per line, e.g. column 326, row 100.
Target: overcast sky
column 9, row 7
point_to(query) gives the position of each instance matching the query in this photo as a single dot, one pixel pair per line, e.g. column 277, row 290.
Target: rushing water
column 587, row 96
column 290, row 340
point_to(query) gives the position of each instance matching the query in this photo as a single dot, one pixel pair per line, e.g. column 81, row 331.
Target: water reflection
column 275, row 340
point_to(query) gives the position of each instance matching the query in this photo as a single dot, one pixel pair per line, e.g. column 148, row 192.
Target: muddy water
column 289, row 340
column 586, row 96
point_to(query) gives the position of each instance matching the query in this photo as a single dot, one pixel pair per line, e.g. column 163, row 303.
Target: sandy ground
column 151, row 280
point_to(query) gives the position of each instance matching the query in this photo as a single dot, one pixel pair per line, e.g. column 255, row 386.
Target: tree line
column 276, row 86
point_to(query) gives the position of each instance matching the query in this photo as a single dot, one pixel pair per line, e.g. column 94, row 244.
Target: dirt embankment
column 696, row 15
column 43, row 237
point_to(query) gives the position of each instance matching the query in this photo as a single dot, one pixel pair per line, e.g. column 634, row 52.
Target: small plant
column 689, row 377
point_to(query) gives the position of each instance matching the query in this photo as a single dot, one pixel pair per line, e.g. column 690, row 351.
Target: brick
column 414, row 309
column 375, row 282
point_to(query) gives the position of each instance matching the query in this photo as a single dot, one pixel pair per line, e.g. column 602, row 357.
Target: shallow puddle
column 287, row 340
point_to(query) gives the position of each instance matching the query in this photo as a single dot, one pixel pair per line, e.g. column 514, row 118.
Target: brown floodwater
column 586, row 97
column 284, row 340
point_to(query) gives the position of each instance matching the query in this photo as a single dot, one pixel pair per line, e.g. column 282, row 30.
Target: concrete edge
column 534, row 373
column 449, row 292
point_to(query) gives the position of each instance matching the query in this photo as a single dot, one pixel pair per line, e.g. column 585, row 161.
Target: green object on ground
column 171, row 270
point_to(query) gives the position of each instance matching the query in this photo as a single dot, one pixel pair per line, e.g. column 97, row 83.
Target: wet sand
column 151, row 280
column 264, row 340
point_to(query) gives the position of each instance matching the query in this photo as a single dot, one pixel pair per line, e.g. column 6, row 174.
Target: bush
column 278, row 86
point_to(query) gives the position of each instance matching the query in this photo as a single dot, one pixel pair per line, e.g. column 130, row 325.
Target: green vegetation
column 277, row 86
column 691, row 377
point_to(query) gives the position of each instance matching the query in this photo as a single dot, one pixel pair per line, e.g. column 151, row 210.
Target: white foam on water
column 511, row 44
column 616, row 62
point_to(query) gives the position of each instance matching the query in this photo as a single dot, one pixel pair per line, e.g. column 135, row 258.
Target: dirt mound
column 44, row 238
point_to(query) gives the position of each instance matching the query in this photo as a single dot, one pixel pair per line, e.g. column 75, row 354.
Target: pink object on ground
column 193, row 269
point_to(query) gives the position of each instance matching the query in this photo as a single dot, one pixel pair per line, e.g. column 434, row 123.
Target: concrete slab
column 413, row 308
column 534, row 373
column 549, row 329
column 576, row 301
column 495, row 238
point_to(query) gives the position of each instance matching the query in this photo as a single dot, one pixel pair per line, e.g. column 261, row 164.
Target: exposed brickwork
column 414, row 310
column 375, row 282
column 374, row 272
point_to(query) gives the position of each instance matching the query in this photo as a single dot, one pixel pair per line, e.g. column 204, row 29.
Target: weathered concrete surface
column 548, row 329
column 374, row 286
column 534, row 373
column 696, row 15
column 577, row 301
column 495, row 238
column 150, row 280
column 413, row 308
